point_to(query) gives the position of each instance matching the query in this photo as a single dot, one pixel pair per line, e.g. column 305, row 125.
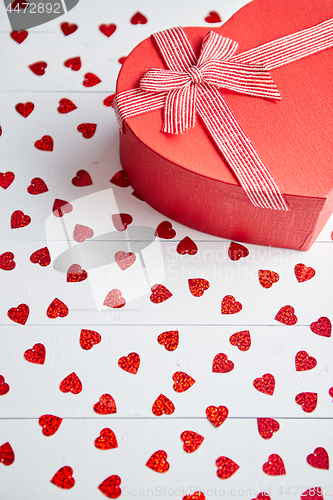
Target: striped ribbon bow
column 192, row 86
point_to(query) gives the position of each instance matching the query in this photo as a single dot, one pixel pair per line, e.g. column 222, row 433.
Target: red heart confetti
column 37, row 186
column 217, row 414
column 242, row 340
column 124, row 259
column 304, row 273
column 304, row 362
column 107, row 29
column 267, row 278
column 71, row 383
column 138, row 18
column 221, row 364
column 165, row 230
column 106, row 405
column 198, row 286
column 61, row 207
column 41, row 256
column 64, row 478
column 38, row 68
column 74, row 63
column 36, row 355
column 19, row 4
column 262, row 496
column 322, row 327
column 121, row 221
column 265, row 384
column 75, row 274
column 7, row 262
column 45, row 143
column 114, row 299
column 159, row 294
column 82, row 233
column 110, row 487
column 121, row 60
column 90, row 80
column 318, row 459
column 182, row 381
column 274, row 466
column 82, row 179
column 213, row 17
column 130, row 363
column 24, row 109
column 191, row 441
column 313, row 494
column 108, row 101
column 197, row 495
column 230, row 306
column 7, row 455
column 4, row 387
column 19, row 219
column 120, row 179
column 225, row 467
column 6, row 179
column 89, row 338
column 267, row 427
column 87, row 129
column 169, row 339
column 286, row 315
column 237, row 251
column 19, row 314
column 107, row 440
column 330, row 392
column 307, row 400
column 50, row 424
column 66, row 106
column 163, row 406
column 57, row 308
column 19, row 36
column 187, row 246
column 158, row 461
column 134, row 193
column 68, row 29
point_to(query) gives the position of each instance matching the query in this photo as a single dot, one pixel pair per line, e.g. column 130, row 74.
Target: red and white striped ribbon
column 192, row 86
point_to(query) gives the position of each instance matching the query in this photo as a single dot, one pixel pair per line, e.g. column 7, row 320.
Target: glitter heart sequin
column 6, row 179
column 130, row 363
column 303, row 273
column 87, row 129
column 75, row 274
column 265, row 384
column 41, row 256
column 82, row 233
column 237, row 251
column 182, row 381
column 90, row 80
column 71, row 383
column 107, row 29
column 4, row 387
column 322, row 327
column 318, row 459
column 187, row 246
column 197, row 495
column 36, row 355
column 191, row 441
column 221, row 364
column 66, row 106
column 114, row 299
column 61, row 207
column 159, row 294
column 57, row 309
column 74, row 63
column 110, row 487
column 89, row 338
column 125, row 259
column 225, row 467
column 19, row 314
column 230, row 306
column 307, row 400
column 158, row 461
column 217, row 414
column 50, row 424
column 106, row 405
column 68, row 29
column 262, row 496
column 121, row 221
column 37, row 186
column 163, row 406
column 267, row 278
column 313, row 494
column 45, row 143
column 274, row 466
column 164, row 230
column 213, row 17
column 64, row 478
column 82, row 179
column 198, row 286
column 119, row 179
column 7, row 455
column 106, row 440
column 267, row 427
column 242, row 340
column 169, row 339
column 138, row 18
column 286, row 315
column 19, row 219
column 25, row 109
column 304, row 362
column 19, row 36
column 38, row 68
column 7, row 262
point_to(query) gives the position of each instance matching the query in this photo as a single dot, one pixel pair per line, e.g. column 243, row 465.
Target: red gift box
column 186, row 177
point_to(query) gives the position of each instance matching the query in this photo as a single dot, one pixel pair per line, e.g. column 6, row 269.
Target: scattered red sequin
column 265, row 384
column 304, row 273
column 313, row 494
column 169, row 339
column 286, row 315
column 124, row 259
column 37, row 186
column 165, row 230
column 89, row 338
column 61, row 207
column 191, row 441
column 50, row 424
column 267, row 278
column 197, row 495
column 120, row 179
column 213, row 17
column 68, row 29
column 121, row 60
column 64, row 478
column 7, row 262
column 19, row 219
column 274, row 466
column 138, row 18
column 318, row 459
column 19, row 314
column 263, row 496
column 6, row 178
column 182, row 381
column 158, row 461
column 187, row 246
column 106, row 405
column 130, row 363
column 221, row 364
column 108, row 101
column 66, row 106
column 322, row 327
column 45, row 143
column 225, row 467
column 36, row 355
column 82, row 233
column 82, row 179
column 230, row 306
column 57, row 308
column 110, row 487
column 242, row 340
column 38, row 68
column 330, row 392
column 163, row 406
column 19, row 36
column 304, row 362
column 197, row 286
column 121, row 221
column 87, row 129
column 24, row 109
column 75, row 274
column 4, row 387
column 74, row 63
column 159, row 294
column 71, row 383
column 217, row 414
column 90, row 80
column 107, row 29
column 7, row 455
column 114, row 299
column 267, row 427
column 237, row 251
column 41, row 256
column 307, row 400
column 107, row 440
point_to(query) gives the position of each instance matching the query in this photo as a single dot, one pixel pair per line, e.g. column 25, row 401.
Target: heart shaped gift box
column 186, row 176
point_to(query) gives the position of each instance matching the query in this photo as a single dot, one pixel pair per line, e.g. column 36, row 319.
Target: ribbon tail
column 237, row 149
column 136, row 102
column 180, row 109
